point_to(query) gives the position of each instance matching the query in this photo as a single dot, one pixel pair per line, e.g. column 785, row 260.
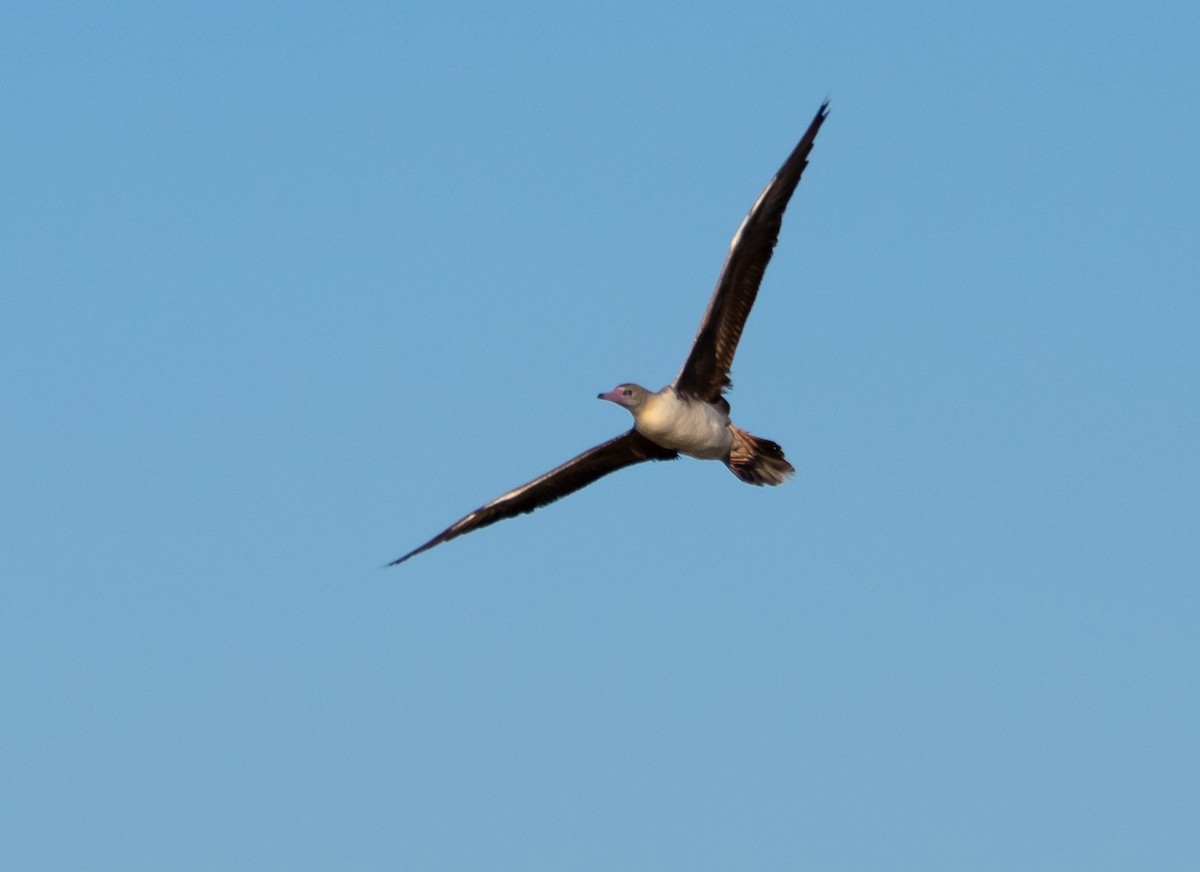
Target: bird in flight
column 690, row 415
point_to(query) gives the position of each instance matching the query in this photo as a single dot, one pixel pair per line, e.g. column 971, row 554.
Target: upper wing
column 705, row 373
column 626, row 450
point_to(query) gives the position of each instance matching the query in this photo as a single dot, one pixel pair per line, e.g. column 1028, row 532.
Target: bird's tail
column 757, row 461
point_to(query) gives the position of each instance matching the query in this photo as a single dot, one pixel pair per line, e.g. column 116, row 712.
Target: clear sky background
column 286, row 288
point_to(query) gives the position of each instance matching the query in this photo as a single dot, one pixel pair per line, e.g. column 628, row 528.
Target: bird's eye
column 627, row 392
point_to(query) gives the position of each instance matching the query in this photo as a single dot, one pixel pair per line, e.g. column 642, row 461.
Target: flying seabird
column 690, row 415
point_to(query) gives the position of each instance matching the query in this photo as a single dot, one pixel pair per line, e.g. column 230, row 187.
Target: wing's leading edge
column 705, row 373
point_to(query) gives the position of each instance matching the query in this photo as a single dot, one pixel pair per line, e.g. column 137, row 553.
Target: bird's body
column 691, row 415
column 689, row 425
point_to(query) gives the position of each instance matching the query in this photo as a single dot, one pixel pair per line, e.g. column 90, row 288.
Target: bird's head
column 629, row 396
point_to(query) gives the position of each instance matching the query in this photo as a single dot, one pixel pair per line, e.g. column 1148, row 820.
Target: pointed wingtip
column 400, row 560
column 436, row 540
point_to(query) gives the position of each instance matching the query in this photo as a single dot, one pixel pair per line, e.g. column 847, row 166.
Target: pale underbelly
column 693, row 428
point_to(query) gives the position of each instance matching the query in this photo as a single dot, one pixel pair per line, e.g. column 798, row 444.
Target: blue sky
column 287, row 288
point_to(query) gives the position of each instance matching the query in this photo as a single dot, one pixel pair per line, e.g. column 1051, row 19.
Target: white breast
column 691, row 426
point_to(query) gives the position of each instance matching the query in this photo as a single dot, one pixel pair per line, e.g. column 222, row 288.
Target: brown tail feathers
column 757, row 461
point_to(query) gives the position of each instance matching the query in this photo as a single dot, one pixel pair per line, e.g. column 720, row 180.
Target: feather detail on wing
column 625, row 450
column 705, row 373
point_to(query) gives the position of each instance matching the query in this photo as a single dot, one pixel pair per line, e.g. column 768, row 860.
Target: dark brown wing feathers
column 626, row 450
column 705, row 374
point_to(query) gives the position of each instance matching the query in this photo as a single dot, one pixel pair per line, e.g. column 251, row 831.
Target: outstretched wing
column 626, row 450
column 705, row 373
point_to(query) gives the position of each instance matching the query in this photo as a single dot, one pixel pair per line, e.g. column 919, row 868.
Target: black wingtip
column 444, row 536
column 400, row 560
